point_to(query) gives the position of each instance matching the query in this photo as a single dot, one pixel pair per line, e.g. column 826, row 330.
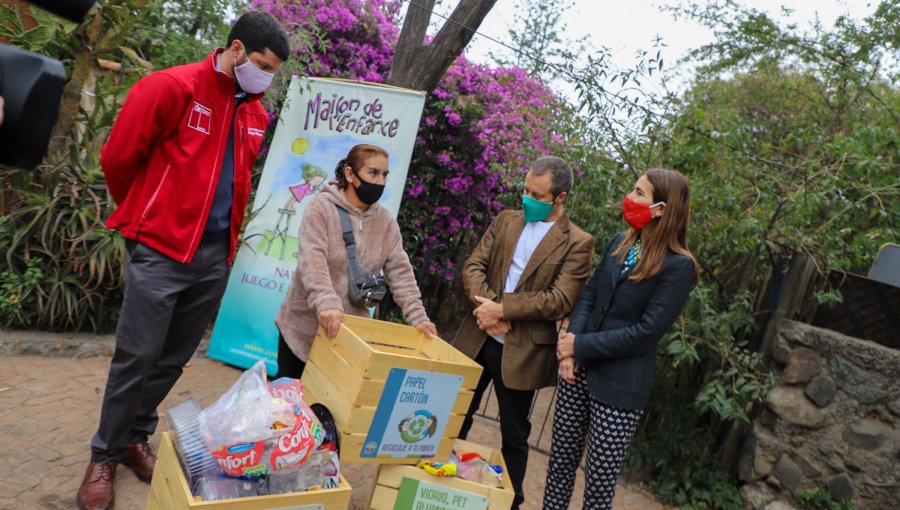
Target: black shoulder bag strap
column 363, row 288
column 349, row 241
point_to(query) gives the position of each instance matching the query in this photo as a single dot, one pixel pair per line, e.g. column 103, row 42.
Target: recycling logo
column 417, row 426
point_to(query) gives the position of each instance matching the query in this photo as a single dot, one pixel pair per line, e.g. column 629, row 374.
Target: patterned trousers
column 608, row 430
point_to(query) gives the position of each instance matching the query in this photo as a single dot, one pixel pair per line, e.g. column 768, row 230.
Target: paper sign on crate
column 420, row 495
column 412, row 414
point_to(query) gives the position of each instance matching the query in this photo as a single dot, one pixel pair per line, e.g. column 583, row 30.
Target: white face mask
column 252, row 79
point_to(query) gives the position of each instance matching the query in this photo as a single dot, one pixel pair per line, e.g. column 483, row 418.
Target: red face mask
column 638, row 215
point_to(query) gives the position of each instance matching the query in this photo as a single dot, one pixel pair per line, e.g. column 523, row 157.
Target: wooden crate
column 387, row 484
column 348, row 374
column 169, row 490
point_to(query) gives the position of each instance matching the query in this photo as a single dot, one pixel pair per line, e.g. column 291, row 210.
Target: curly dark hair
column 260, row 30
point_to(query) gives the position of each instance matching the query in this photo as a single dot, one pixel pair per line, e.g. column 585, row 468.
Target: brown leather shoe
column 140, row 458
column 96, row 491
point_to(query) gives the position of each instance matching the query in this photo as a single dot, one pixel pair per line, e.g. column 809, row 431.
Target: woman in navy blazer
column 608, row 355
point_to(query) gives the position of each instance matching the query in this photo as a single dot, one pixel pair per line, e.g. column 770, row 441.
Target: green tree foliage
column 789, row 140
column 61, row 269
column 538, row 41
column 820, row 499
column 171, row 33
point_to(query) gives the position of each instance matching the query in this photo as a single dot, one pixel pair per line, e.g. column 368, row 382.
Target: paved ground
column 49, row 409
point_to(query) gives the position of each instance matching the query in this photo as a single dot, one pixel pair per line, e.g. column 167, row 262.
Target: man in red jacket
column 177, row 163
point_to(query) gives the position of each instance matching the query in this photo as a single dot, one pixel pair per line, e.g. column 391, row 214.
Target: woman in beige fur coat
column 318, row 294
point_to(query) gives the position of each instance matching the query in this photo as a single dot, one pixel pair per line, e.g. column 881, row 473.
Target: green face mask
column 535, row 210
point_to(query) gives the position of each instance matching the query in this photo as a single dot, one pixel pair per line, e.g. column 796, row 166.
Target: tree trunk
column 69, row 105
column 96, row 41
column 420, row 66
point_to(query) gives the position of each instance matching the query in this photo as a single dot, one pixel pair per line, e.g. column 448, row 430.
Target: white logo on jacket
column 256, row 132
column 201, row 118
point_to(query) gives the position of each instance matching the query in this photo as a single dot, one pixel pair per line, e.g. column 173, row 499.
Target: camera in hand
column 31, row 86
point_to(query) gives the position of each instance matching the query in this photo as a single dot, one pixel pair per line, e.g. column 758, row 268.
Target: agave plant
column 61, row 269
column 65, row 266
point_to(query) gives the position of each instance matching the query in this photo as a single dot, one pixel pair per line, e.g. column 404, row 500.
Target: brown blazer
column 546, row 293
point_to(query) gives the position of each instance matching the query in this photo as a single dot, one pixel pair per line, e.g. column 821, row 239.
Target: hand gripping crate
column 387, row 483
column 169, row 490
column 348, row 374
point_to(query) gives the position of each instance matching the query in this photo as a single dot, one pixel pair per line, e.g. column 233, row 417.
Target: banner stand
column 319, row 123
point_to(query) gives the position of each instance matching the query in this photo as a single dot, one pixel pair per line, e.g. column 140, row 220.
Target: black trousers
column 289, row 365
column 515, row 405
column 166, row 308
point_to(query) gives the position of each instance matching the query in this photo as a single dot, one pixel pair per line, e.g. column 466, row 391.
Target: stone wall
column 833, row 421
column 16, row 342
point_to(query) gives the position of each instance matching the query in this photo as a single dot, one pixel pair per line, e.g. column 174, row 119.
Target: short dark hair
column 560, row 171
column 260, row 30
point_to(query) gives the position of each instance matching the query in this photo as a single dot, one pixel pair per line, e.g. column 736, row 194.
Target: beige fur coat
column 320, row 280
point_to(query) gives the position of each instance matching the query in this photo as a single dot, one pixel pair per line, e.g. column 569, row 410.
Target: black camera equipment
column 31, row 86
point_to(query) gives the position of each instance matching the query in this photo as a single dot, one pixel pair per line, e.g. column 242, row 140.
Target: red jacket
column 164, row 155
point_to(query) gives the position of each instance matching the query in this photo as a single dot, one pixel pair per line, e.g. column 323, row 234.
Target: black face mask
column 368, row 192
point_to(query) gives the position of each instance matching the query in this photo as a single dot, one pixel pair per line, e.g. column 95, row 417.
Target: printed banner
column 421, row 495
column 319, row 123
column 412, row 414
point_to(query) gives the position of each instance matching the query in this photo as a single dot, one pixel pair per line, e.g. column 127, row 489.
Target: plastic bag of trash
column 245, row 421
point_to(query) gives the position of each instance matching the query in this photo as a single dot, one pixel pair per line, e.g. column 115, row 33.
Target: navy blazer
column 618, row 324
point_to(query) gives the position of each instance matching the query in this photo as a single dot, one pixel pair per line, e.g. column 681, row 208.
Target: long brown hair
column 357, row 157
column 669, row 232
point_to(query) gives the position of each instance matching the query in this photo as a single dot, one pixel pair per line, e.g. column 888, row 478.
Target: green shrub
column 820, row 499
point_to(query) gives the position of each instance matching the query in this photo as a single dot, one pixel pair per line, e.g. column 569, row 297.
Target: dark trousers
column 289, row 365
column 166, row 309
column 515, row 405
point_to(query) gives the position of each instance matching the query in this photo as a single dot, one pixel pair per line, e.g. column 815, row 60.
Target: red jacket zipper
column 216, row 167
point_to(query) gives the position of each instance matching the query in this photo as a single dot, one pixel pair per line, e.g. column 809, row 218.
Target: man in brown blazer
column 523, row 277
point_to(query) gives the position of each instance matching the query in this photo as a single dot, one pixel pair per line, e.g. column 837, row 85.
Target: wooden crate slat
column 338, row 498
column 383, row 498
column 382, row 359
column 501, row 499
column 169, row 490
column 389, row 478
column 317, row 388
column 351, row 348
column 348, row 376
column 378, row 331
column 411, row 342
column 392, row 349
column 463, row 401
column 470, row 374
column 446, row 352
column 383, row 362
column 356, row 389
column 347, row 416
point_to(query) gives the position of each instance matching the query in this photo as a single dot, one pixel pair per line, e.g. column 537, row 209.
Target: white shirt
column 531, row 237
